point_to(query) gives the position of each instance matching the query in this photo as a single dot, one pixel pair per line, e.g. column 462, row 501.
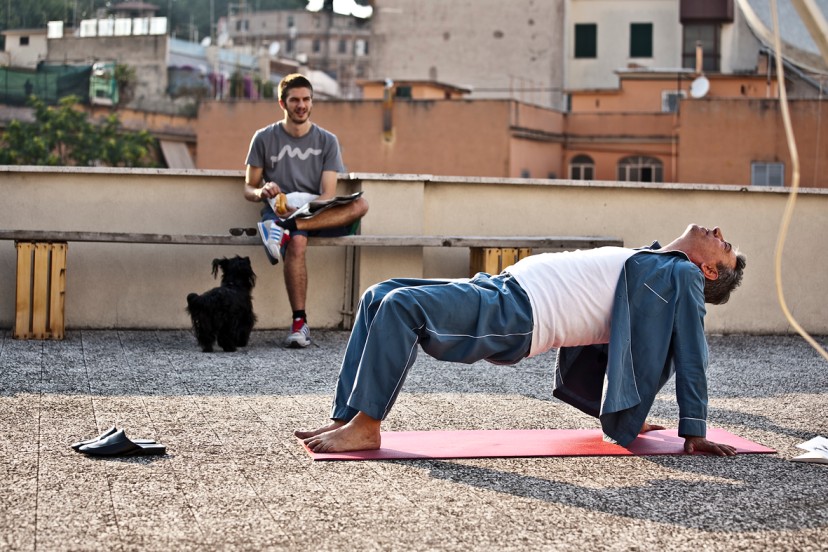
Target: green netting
column 47, row 82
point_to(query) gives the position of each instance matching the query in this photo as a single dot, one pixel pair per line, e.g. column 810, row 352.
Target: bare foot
column 361, row 433
column 324, row 429
column 650, row 427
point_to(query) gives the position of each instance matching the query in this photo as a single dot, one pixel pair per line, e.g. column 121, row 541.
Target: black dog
column 225, row 314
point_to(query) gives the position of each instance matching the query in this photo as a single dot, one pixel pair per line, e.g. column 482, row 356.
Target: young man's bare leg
column 296, row 273
column 342, row 215
column 361, row 433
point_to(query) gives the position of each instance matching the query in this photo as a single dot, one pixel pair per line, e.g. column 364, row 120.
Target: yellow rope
column 789, row 208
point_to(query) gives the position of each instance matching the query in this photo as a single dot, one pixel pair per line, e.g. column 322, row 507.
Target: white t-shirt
column 571, row 294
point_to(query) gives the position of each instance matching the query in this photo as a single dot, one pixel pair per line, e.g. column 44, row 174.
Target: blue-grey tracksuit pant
column 483, row 318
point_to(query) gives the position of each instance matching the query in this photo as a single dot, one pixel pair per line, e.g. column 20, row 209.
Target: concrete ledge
column 145, row 286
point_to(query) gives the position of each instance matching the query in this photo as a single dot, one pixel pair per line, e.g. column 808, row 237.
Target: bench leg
column 40, row 290
column 493, row 260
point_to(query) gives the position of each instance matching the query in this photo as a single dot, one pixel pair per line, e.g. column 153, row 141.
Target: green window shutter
column 641, row 40
column 586, row 40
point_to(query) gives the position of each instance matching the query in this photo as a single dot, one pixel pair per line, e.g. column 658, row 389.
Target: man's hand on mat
column 650, row 427
column 700, row 444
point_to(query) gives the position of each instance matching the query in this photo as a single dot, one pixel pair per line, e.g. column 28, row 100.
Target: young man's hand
column 269, row 190
column 700, row 444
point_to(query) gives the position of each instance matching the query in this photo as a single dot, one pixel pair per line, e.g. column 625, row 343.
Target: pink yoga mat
column 528, row 443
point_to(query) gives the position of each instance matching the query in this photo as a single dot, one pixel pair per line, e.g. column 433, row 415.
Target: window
column 670, row 100
column 317, row 46
column 343, row 46
column 641, row 40
column 708, row 35
column 640, row 169
column 290, row 21
column 24, row 40
column 586, row 40
column 289, row 45
column 361, row 47
column 582, row 167
column 402, row 92
column 767, row 174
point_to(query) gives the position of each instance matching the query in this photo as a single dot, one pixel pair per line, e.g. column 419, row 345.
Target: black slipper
column 118, row 444
column 104, row 435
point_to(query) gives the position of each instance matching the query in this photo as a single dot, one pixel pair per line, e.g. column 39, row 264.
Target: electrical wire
column 789, row 207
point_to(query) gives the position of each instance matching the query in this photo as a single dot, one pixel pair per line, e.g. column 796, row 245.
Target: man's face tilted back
column 707, row 248
column 298, row 104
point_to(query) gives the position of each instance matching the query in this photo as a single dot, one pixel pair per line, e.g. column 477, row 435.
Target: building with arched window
column 581, row 167
column 640, row 168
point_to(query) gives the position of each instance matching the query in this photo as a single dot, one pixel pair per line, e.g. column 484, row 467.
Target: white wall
column 28, row 55
column 145, row 286
column 613, row 18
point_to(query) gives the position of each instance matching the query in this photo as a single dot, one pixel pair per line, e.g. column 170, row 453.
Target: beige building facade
column 729, row 139
column 600, row 32
column 497, row 49
column 652, row 128
column 489, row 138
column 24, row 48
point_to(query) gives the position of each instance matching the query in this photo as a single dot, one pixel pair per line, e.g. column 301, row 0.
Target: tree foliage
column 63, row 135
column 126, row 78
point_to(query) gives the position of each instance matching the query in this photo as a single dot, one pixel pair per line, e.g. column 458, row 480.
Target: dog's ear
column 216, row 264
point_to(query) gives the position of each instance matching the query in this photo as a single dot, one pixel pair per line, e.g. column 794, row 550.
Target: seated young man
column 300, row 159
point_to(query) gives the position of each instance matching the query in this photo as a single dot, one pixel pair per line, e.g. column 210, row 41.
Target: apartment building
column 504, row 50
column 607, row 35
column 340, row 45
column 686, row 91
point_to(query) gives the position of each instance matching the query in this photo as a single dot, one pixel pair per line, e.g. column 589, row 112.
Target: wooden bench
column 539, row 242
column 41, row 261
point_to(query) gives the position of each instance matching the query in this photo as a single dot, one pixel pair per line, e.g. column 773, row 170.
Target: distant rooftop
column 799, row 46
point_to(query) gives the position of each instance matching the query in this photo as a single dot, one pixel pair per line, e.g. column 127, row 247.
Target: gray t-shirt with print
column 295, row 164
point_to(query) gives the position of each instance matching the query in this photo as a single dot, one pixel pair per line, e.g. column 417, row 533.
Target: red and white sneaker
column 299, row 336
column 275, row 240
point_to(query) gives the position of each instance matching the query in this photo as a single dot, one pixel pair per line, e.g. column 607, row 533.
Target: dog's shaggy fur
column 225, row 314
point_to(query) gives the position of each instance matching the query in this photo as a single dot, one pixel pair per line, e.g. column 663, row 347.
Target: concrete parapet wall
column 144, row 286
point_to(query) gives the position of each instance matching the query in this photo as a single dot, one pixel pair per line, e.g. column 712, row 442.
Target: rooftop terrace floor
column 235, row 477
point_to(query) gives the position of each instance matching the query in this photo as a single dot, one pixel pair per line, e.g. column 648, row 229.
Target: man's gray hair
column 717, row 292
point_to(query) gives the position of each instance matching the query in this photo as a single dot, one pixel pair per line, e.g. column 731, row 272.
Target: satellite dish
column 700, row 87
column 273, row 49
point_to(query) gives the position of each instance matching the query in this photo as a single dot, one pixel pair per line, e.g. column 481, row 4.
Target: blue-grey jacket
column 657, row 330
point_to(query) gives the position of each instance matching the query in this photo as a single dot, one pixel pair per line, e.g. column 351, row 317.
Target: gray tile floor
column 235, row 478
